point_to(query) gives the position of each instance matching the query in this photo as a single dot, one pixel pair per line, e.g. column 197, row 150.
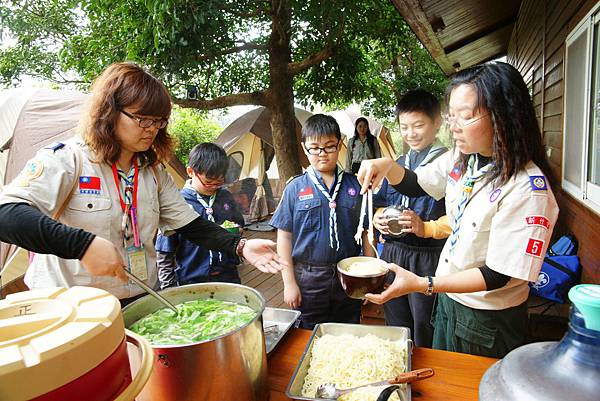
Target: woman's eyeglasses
column 461, row 122
column 147, row 122
column 316, row 151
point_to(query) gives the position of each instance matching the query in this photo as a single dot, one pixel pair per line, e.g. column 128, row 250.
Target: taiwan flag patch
column 89, row 185
column 455, row 174
column 305, row 193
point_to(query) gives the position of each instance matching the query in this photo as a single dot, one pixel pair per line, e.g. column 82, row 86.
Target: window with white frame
column 581, row 144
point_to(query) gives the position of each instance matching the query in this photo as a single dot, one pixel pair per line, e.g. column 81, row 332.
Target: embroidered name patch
column 89, row 185
column 535, row 247
column 537, row 221
column 538, row 183
column 305, row 193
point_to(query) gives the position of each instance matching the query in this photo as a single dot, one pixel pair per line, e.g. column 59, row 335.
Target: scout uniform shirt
column 304, row 211
column 507, row 228
column 194, row 261
column 94, row 207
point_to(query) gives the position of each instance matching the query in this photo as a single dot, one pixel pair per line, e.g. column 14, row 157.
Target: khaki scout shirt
column 507, row 228
column 44, row 184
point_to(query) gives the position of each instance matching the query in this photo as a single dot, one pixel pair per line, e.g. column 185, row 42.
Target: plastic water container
column 554, row 371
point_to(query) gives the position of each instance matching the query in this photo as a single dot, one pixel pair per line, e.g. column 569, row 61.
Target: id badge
column 136, row 260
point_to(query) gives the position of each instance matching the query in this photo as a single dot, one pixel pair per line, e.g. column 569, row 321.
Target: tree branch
column 313, row 59
column 232, row 50
column 237, row 99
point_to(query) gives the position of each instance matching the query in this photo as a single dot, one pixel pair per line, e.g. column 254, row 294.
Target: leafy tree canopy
column 191, row 127
column 220, row 47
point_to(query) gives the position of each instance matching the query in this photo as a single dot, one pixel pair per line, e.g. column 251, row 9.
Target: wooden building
column 555, row 44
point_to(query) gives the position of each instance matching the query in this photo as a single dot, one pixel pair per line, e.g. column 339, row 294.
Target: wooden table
column 456, row 377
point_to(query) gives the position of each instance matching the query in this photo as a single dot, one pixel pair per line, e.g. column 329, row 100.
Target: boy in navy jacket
column 182, row 262
column 316, row 221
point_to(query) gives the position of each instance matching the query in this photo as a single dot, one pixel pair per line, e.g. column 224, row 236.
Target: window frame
column 585, row 191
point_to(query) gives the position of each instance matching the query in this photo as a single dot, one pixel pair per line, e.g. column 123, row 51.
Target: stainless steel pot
column 227, row 368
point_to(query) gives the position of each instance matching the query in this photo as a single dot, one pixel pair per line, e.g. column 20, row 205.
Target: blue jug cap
column 586, row 297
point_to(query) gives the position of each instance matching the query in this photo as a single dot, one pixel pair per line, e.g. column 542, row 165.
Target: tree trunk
column 281, row 94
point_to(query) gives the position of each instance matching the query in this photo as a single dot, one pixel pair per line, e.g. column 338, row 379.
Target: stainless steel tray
column 277, row 322
column 294, row 388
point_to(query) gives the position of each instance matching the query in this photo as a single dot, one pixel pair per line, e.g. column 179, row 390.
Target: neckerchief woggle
column 468, row 181
column 129, row 204
column 431, row 154
column 333, row 232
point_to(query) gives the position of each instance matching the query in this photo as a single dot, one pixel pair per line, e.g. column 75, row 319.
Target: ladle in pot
column 329, row 392
column 150, row 291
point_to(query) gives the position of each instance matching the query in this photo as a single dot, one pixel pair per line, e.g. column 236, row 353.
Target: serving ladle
column 328, row 391
column 150, row 291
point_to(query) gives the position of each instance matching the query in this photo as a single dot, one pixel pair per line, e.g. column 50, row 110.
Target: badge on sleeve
column 541, row 221
column 33, row 169
column 535, row 247
column 538, row 183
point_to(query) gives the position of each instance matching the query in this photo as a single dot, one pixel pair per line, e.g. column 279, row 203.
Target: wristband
column 239, row 249
column 429, row 290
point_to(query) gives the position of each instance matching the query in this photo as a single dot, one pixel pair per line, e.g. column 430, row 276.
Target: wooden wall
column 537, row 49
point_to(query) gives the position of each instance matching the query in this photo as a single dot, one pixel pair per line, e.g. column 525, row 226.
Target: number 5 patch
column 535, row 247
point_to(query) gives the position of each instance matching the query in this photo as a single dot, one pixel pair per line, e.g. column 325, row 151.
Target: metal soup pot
column 227, row 368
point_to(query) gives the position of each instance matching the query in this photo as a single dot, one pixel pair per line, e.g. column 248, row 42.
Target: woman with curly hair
column 108, row 193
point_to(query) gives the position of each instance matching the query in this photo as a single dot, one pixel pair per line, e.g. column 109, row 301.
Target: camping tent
column 248, row 141
column 29, row 120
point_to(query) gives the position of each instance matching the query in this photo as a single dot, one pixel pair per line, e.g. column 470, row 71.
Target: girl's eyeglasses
column 461, row 122
column 147, row 122
column 316, row 151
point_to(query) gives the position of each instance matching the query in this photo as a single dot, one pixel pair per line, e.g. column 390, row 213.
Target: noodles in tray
column 349, row 361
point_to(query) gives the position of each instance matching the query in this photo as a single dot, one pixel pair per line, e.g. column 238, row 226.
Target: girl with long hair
column 362, row 146
column 499, row 201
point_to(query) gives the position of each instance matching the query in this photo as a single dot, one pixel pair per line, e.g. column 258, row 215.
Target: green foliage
column 191, row 127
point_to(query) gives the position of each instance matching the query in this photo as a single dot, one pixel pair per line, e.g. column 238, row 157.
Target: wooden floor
column 269, row 285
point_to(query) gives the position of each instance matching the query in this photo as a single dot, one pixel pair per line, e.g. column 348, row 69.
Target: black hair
column 421, row 101
column 516, row 134
column 370, row 137
column 320, row 126
column 209, row 159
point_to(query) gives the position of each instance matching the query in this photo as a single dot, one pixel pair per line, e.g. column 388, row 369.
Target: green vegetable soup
column 198, row 320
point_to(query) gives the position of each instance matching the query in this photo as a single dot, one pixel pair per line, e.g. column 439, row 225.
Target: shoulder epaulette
column 55, row 146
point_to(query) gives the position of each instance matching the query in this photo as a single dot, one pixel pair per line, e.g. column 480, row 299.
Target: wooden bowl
column 355, row 285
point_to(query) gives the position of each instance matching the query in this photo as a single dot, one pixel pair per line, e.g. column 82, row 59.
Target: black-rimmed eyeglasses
column 147, row 122
column 316, row 151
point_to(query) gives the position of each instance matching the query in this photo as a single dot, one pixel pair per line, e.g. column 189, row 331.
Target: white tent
column 248, row 141
column 29, row 120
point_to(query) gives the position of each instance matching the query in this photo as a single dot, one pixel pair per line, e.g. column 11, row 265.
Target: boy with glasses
column 182, row 262
column 316, row 221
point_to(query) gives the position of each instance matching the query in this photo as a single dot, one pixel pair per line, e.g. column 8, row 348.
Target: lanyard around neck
column 130, row 186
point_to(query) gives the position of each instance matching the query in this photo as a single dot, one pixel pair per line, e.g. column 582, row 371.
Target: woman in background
column 362, row 146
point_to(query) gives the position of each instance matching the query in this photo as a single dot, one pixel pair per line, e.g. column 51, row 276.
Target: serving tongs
column 150, row 291
column 328, row 391
column 366, row 207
